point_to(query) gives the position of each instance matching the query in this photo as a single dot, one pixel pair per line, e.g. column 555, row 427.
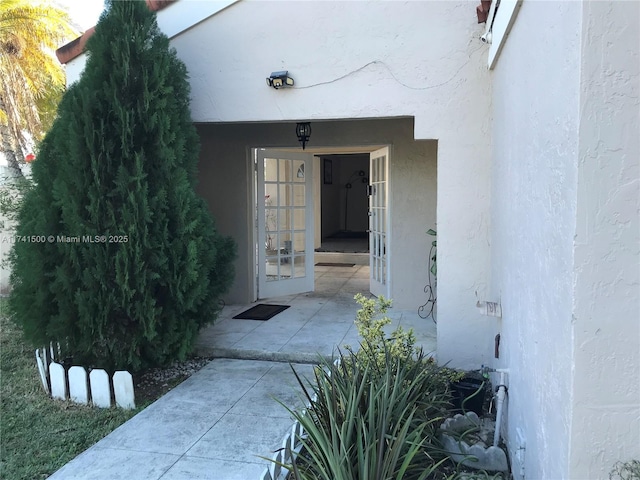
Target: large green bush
column 117, row 257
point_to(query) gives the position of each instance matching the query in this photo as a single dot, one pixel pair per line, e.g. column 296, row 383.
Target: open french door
column 285, row 222
column 379, row 222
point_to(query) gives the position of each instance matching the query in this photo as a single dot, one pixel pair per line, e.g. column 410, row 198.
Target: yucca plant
column 368, row 421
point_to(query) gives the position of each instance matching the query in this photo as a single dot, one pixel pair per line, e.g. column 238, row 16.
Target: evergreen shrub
column 123, row 264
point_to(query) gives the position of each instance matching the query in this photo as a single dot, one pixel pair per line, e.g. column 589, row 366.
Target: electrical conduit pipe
column 502, row 392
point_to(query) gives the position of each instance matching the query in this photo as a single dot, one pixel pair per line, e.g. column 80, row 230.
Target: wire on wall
column 380, row 62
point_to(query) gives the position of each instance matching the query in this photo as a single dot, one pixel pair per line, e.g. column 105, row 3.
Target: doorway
column 298, row 192
column 344, row 205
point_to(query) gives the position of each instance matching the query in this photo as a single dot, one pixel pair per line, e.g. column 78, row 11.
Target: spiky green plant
column 371, row 421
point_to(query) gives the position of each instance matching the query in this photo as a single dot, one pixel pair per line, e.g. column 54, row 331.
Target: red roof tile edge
column 75, row 48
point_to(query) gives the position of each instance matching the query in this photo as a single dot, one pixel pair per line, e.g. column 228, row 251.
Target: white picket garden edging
column 95, row 388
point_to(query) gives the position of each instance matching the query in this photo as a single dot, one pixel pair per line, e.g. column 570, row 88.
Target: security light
column 280, row 79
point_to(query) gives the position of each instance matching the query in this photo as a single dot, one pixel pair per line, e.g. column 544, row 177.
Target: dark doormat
column 329, row 264
column 262, row 311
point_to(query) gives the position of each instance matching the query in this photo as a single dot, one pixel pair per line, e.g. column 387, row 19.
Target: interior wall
column 345, row 209
column 225, row 183
column 330, row 212
column 533, row 211
column 354, row 202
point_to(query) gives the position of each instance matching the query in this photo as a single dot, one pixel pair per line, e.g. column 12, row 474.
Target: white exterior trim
column 499, row 27
column 182, row 15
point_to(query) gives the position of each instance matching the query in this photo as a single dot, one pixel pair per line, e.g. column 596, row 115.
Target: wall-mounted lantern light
column 303, row 131
column 280, row 79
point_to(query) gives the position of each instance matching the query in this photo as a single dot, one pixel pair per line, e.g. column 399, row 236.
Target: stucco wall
column 225, row 183
column 535, row 147
column 606, row 310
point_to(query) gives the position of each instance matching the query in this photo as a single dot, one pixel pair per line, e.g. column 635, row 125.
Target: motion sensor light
column 280, row 79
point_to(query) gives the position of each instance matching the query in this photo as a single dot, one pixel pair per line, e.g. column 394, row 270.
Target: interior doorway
column 344, row 225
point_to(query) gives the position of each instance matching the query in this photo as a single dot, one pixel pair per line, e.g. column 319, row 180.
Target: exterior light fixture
column 280, row 79
column 303, row 131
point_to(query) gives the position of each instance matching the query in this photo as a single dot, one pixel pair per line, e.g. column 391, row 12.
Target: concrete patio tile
column 323, row 319
column 233, row 325
column 342, row 272
column 265, row 340
column 242, row 369
column 285, row 299
column 242, row 437
column 295, row 316
column 330, row 280
column 183, row 424
column 210, row 387
column 334, row 270
column 219, row 339
column 307, row 303
column 344, row 308
column 111, row 464
column 195, row 468
column 279, row 384
column 356, row 285
column 317, row 339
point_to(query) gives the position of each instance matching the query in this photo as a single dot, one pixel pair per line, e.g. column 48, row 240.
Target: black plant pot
column 468, row 395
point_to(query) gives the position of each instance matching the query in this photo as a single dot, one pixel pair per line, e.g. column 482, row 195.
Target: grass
column 39, row 435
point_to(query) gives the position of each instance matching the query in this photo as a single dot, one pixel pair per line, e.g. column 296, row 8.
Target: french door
column 379, row 222
column 285, row 223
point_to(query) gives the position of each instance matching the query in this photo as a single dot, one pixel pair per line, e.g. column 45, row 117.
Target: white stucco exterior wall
column 535, row 150
column 606, row 308
column 565, row 235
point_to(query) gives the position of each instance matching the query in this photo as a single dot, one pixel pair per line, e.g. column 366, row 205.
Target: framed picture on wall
column 328, row 172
